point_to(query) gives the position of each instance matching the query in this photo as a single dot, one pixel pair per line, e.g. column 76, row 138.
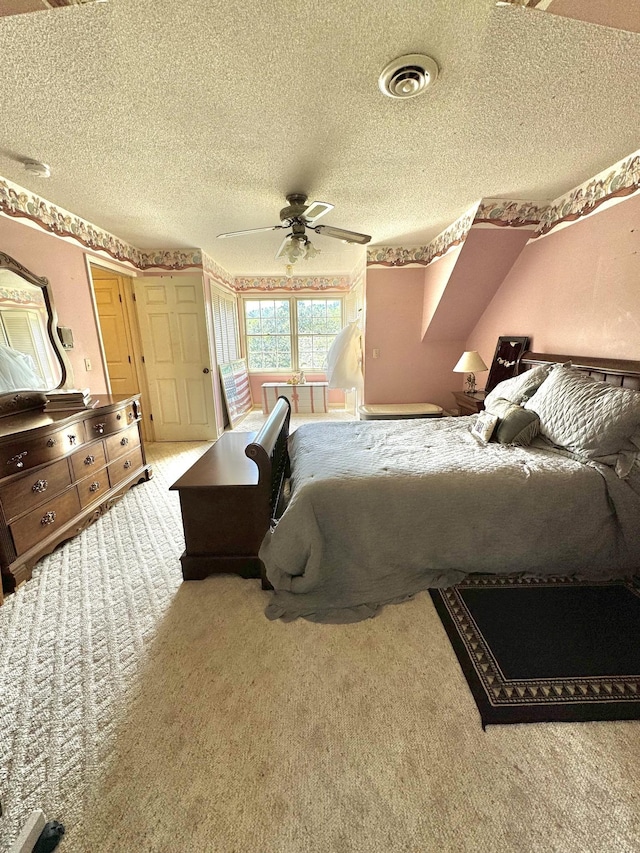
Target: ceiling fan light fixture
column 408, row 76
column 297, row 248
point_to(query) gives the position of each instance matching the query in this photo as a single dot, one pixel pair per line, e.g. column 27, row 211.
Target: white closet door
column 177, row 357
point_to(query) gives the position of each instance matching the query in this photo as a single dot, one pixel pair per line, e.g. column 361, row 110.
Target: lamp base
column 471, row 384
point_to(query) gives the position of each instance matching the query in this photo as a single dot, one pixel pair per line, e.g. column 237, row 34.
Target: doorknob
column 205, row 370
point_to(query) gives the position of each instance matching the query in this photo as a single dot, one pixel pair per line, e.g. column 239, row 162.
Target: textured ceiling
column 167, row 123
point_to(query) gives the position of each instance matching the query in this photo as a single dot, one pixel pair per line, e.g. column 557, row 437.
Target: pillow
column 520, row 387
column 484, row 426
column 589, row 418
column 515, row 424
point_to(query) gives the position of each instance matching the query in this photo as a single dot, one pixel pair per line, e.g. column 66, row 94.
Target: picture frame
column 508, row 352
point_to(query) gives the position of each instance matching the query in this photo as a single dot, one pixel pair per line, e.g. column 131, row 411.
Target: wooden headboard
column 614, row 371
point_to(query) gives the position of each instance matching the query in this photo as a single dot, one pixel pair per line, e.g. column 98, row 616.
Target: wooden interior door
column 114, row 298
column 116, row 335
column 175, row 339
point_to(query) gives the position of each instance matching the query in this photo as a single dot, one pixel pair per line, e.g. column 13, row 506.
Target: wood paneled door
column 114, row 299
column 178, row 357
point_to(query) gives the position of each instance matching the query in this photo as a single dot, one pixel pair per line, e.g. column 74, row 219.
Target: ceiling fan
column 300, row 216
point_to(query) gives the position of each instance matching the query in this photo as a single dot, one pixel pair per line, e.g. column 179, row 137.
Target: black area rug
column 546, row 650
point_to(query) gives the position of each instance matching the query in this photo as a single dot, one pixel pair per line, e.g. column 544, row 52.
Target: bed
column 380, row 510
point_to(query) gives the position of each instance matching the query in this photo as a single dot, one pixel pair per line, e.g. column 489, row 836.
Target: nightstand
column 469, row 404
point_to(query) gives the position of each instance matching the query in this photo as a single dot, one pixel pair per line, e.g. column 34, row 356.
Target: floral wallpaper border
column 510, row 213
column 611, row 185
column 399, row 256
column 216, row 272
column 296, row 283
column 17, row 202
column 22, row 297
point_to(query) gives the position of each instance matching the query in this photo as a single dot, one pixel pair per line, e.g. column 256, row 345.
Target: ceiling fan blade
column 252, row 231
column 281, row 251
column 341, row 234
column 315, row 210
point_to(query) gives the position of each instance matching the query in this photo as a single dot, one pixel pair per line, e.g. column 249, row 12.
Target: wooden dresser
column 59, row 471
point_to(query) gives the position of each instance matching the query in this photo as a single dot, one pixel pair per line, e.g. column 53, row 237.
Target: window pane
column 319, row 321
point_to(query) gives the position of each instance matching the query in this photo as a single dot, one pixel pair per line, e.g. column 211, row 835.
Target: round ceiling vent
column 408, row 76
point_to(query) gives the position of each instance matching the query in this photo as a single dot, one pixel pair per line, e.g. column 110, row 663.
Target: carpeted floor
column 151, row 715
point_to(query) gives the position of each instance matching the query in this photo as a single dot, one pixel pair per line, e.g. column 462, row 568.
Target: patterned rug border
column 503, row 700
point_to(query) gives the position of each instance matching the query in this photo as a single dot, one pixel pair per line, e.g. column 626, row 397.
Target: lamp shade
column 470, row 362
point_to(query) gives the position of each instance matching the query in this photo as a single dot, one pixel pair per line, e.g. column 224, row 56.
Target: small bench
column 397, row 411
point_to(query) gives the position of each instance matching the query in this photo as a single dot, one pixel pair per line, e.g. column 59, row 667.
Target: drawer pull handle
column 99, row 427
column 118, row 417
column 39, row 486
column 130, row 416
column 89, row 460
column 72, row 439
column 94, row 486
column 128, row 463
column 17, row 460
column 48, row 517
column 124, row 441
column 52, row 442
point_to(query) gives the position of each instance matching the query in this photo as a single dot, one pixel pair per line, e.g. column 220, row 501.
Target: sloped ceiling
column 167, row 123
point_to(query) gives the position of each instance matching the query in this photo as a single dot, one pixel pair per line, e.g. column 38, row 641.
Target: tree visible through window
column 291, row 333
column 268, row 329
column 319, row 321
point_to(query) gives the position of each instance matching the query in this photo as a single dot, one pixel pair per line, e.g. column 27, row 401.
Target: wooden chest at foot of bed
column 224, row 512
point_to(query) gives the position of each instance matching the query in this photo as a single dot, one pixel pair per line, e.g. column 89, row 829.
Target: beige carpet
column 150, row 715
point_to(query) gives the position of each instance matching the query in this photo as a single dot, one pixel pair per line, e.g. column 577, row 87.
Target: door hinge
column 120, row 297
column 142, row 357
column 129, row 357
column 134, row 296
column 150, row 417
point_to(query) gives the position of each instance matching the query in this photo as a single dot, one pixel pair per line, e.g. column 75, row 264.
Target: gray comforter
column 380, row 510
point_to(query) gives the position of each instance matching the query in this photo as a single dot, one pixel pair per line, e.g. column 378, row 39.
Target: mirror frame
column 27, row 398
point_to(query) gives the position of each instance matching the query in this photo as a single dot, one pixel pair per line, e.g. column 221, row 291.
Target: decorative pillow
column 515, row 424
column 585, row 416
column 484, row 426
column 520, row 387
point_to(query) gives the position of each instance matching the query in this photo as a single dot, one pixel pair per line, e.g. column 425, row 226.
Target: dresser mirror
column 31, row 354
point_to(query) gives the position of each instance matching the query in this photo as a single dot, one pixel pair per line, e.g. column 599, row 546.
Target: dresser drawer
column 92, row 488
column 22, row 454
column 122, row 443
column 108, row 423
column 124, row 466
column 44, row 520
column 88, row 459
column 33, row 489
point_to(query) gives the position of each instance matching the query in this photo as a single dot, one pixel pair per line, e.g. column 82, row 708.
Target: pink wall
column 480, row 267
column 576, row 291
column 408, row 370
column 436, row 278
column 64, row 265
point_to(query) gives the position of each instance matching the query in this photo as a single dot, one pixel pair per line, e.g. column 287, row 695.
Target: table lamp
column 471, row 363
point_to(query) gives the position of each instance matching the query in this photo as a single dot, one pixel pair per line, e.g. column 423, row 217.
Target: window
column 291, row 333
